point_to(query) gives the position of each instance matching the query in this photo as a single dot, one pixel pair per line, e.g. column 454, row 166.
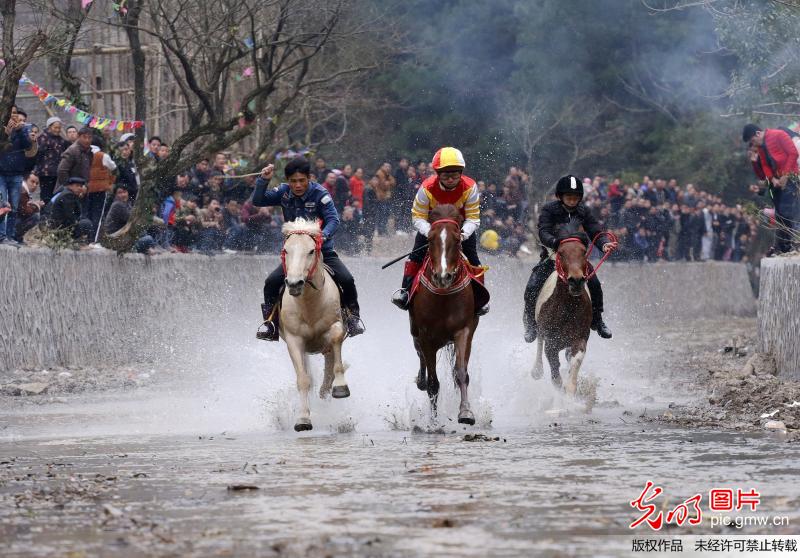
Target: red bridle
column 586, row 273
column 317, row 237
column 448, row 221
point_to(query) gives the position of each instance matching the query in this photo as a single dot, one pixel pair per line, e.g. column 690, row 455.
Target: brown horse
column 564, row 311
column 442, row 310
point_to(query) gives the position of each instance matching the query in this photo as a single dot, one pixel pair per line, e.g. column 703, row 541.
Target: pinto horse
column 310, row 316
column 442, row 308
column 564, row 311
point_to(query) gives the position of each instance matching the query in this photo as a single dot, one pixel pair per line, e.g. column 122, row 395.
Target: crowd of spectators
column 86, row 181
column 656, row 219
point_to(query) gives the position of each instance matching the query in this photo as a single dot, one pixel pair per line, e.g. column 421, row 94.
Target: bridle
column 586, row 273
column 317, row 238
column 462, row 279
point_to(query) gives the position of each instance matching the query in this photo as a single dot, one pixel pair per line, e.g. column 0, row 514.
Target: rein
column 317, row 254
column 586, row 273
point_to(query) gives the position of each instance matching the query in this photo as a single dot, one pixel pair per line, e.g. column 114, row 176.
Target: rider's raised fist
column 266, row 172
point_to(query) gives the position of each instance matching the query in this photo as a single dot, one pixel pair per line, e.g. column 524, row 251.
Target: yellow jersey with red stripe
column 464, row 197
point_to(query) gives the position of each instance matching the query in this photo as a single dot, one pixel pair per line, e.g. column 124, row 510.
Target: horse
column 564, row 311
column 442, row 308
column 310, row 316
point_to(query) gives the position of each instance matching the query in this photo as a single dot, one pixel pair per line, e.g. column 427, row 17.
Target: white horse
column 311, row 318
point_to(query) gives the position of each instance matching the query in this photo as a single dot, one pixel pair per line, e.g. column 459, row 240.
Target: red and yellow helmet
column 448, row 157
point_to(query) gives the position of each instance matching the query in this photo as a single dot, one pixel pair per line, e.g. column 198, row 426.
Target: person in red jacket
column 774, row 158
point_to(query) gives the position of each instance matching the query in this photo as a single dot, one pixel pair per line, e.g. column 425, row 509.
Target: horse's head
column 444, row 244
column 301, row 254
column 571, row 260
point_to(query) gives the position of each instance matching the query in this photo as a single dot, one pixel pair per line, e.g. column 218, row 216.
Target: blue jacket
column 316, row 203
column 12, row 159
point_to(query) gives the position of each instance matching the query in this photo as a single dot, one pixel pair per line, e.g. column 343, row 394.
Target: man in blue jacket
column 12, row 169
column 301, row 198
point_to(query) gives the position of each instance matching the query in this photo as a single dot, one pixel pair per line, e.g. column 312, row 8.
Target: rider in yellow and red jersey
column 447, row 186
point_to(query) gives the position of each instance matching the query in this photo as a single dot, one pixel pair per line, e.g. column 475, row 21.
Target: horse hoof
column 466, row 417
column 340, row 392
column 302, row 425
column 537, row 373
column 422, row 385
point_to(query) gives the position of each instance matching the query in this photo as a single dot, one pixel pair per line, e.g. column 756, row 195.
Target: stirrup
column 269, row 333
column 355, row 326
column 400, row 298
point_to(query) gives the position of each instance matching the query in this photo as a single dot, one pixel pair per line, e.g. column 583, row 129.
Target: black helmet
column 569, row 185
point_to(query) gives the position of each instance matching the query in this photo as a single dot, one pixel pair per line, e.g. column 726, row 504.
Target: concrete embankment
column 779, row 313
column 97, row 309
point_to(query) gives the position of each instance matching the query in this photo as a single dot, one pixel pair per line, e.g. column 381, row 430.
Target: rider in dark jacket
column 566, row 213
column 302, row 199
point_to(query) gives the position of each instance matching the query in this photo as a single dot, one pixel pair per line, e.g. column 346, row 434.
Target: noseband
column 586, row 273
column 317, row 238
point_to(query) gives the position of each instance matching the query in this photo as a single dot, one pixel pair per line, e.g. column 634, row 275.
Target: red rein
column 586, row 273
column 317, row 237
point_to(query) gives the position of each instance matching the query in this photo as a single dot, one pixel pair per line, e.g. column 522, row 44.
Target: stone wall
column 98, row 309
column 779, row 313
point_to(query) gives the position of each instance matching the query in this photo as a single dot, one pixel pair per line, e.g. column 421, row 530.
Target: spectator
column 383, row 186
column 120, row 210
column 12, row 169
column 72, row 134
column 320, row 170
column 341, row 193
column 232, row 225
column 76, row 161
column 152, row 147
column 127, row 173
column 102, row 175
column 357, row 186
column 212, row 233
column 51, row 146
column 774, row 156
column 29, row 208
column 65, row 210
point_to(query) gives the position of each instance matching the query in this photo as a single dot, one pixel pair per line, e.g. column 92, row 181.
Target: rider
column 447, row 186
column 301, row 198
column 567, row 210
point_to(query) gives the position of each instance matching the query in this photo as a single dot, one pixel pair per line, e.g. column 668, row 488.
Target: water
column 365, row 481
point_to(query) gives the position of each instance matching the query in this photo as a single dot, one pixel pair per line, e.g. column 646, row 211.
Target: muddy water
column 146, row 471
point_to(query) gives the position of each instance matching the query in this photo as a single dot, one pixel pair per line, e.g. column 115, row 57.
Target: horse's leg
column 422, row 381
column 340, row 389
column 327, row 379
column 551, row 351
column 429, row 354
column 538, row 364
column 462, row 339
column 578, row 352
column 298, row 356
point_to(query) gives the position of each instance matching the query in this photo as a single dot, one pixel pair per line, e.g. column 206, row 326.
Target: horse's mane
column 564, row 234
column 445, row 211
column 301, row 226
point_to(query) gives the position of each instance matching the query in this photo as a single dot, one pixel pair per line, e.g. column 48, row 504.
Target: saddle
column 467, row 274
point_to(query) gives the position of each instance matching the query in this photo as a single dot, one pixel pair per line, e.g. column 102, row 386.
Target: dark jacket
column 316, row 203
column 75, row 161
column 12, row 158
column 117, row 216
column 51, row 147
column 64, row 210
column 126, row 175
column 555, row 218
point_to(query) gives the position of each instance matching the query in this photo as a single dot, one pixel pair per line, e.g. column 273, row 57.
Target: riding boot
column 483, row 310
column 599, row 325
column 400, row 297
column 596, row 292
column 539, row 275
column 268, row 331
column 354, row 324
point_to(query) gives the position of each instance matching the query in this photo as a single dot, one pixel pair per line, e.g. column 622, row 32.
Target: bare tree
column 204, row 45
column 19, row 48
